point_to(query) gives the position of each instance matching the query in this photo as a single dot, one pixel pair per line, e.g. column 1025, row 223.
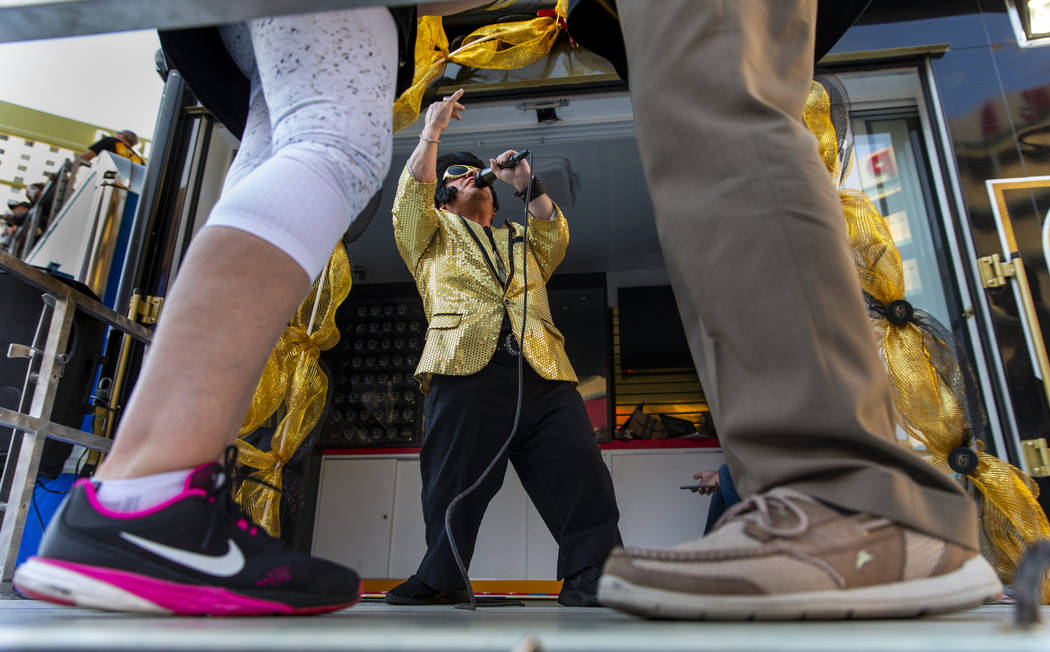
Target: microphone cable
column 473, row 604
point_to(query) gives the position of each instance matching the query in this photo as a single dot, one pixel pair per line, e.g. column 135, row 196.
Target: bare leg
column 221, row 322
column 235, row 292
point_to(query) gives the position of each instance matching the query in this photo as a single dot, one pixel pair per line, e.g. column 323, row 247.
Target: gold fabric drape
column 503, row 46
column 293, row 378
column 926, row 379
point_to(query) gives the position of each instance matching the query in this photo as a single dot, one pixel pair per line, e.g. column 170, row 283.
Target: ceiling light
column 1039, row 17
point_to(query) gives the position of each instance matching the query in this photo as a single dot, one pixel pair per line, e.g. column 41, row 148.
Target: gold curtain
column 503, row 46
column 924, row 374
column 293, row 378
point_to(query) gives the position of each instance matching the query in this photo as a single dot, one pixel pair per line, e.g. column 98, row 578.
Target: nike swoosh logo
column 227, row 565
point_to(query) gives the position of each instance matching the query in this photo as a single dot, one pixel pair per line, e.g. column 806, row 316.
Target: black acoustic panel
column 376, row 400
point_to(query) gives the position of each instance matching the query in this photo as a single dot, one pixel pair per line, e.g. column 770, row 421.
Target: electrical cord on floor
column 39, row 519
column 80, row 460
column 473, row 604
column 40, row 484
column 32, row 501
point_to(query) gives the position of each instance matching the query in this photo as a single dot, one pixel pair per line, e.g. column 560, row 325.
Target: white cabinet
column 369, row 515
column 355, row 507
column 508, row 530
column 502, row 547
column 541, row 551
column 408, row 542
column 654, row 511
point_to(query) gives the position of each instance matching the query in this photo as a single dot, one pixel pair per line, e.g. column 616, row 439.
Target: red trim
column 643, row 444
column 406, row 450
column 637, row 444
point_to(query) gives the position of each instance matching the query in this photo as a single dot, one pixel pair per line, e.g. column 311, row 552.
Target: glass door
column 892, row 169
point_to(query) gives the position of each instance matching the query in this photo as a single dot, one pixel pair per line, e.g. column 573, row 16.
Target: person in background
column 35, row 191
column 121, row 143
column 17, row 212
column 42, row 196
column 13, row 234
column 7, row 230
column 719, row 485
column 9, row 224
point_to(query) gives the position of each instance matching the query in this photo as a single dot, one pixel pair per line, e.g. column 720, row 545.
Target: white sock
column 135, row 494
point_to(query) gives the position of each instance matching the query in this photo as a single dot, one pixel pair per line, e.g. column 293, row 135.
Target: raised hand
column 439, row 114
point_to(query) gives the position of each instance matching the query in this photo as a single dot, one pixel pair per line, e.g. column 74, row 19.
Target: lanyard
column 498, row 268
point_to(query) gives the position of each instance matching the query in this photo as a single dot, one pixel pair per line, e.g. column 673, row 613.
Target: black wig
column 444, row 194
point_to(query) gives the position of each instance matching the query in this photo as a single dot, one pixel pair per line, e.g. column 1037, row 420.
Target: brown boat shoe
column 784, row 555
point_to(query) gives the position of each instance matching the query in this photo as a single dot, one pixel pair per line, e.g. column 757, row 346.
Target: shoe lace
column 758, row 509
column 221, row 494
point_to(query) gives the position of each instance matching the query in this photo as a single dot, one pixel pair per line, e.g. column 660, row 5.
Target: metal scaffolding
column 32, row 424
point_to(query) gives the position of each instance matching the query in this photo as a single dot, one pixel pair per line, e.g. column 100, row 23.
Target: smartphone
column 697, row 487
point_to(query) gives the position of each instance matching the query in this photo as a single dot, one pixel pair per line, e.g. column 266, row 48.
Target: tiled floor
column 536, row 627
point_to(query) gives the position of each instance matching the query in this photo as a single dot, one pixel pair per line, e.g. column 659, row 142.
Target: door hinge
column 146, row 309
column 994, row 271
column 1037, row 457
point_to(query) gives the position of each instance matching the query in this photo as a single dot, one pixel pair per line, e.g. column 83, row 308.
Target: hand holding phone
column 707, row 483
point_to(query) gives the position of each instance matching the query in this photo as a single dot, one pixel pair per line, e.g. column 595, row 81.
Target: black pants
column 554, row 453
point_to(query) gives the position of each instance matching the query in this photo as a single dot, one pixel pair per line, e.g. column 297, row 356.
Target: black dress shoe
column 581, row 589
column 414, row 591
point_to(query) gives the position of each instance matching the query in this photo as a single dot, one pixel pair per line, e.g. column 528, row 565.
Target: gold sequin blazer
column 456, row 269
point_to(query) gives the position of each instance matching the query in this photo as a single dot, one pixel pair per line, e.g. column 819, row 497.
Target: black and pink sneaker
column 192, row 555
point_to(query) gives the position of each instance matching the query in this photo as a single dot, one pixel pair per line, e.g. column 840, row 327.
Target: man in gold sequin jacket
column 471, row 277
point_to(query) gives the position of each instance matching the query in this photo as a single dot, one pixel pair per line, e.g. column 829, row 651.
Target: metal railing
column 33, row 424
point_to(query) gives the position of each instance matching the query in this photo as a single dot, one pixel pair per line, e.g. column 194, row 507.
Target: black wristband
column 537, row 190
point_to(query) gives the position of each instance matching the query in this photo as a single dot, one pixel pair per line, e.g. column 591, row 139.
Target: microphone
column 487, row 177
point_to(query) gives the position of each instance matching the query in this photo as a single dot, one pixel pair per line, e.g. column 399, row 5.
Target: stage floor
column 538, row 626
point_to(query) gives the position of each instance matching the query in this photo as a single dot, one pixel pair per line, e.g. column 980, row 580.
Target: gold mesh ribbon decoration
column 502, row 46
column 935, row 396
column 293, row 378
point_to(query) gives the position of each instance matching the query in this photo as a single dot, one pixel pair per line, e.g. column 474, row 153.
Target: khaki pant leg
column 754, row 241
